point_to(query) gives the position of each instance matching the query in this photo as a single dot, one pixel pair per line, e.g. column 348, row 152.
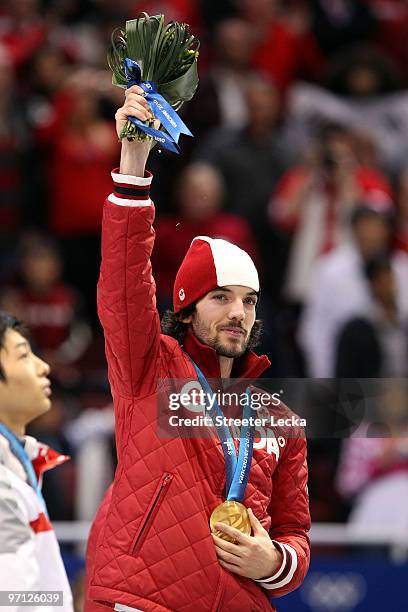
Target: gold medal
column 231, row 513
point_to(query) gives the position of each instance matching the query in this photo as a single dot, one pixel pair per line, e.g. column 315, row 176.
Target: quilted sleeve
column 289, row 511
column 126, row 288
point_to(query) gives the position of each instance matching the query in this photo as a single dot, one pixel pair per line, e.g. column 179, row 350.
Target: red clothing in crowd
column 79, row 165
column 175, row 236
column 78, row 183
column 10, row 185
column 392, row 29
column 369, row 182
column 286, row 55
column 184, row 11
column 22, row 42
column 50, row 316
column 316, row 211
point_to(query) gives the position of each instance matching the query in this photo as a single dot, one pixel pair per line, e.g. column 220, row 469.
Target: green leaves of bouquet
column 166, row 54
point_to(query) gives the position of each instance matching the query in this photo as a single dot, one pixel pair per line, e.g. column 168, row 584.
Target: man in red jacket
column 151, row 547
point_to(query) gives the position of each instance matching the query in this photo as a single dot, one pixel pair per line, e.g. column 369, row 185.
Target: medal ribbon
column 160, row 108
column 237, row 470
column 18, row 450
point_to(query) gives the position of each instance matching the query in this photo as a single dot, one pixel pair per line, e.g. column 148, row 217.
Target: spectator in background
column 313, row 203
column 79, row 147
column 339, row 290
column 391, row 31
column 337, row 24
column 49, row 69
column 219, row 103
column 12, row 133
column 200, row 197
column 285, row 49
column 373, row 469
column 362, row 72
column 214, row 11
column 364, row 96
column 51, row 308
column 375, row 344
column 44, row 77
column 81, row 154
column 22, row 30
column 220, row 99
column 251, row 159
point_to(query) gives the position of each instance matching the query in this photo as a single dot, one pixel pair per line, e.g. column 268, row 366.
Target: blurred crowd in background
column 299, row 156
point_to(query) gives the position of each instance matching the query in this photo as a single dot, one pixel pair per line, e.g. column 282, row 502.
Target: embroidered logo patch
column 182, row 295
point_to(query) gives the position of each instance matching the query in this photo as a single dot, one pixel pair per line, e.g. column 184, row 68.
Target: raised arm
column 126, row 288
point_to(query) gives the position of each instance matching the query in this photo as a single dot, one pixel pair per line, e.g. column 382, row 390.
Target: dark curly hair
column 172, row 325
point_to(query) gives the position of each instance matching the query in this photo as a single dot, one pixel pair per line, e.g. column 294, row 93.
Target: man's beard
column 221, row 348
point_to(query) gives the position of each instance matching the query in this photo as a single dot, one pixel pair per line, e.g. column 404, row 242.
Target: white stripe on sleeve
column 277, row 585
column 125, row 202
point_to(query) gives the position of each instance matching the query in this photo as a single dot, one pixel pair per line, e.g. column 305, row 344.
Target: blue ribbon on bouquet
column 160, row 108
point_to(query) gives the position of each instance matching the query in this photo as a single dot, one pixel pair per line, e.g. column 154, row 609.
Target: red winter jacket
column 150, row 547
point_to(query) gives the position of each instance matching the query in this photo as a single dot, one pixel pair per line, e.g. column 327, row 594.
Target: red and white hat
column 210, row 263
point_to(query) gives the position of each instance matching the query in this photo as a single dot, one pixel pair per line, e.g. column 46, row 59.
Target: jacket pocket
column 149, row 515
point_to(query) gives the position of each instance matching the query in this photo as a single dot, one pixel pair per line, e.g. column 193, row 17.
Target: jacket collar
column 249, row 365
column 42, row 457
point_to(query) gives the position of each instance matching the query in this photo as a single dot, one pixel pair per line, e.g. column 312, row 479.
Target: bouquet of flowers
column 162, row 60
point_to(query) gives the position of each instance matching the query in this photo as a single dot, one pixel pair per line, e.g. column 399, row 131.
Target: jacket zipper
column 151, row 513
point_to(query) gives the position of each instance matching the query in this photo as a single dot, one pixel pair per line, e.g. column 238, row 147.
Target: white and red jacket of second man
column 30, row 558
column 150, row 547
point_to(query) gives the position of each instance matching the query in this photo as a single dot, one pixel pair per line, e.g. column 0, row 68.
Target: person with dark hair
column 52, row 309
column 340, row 290
column 338, row 25
column 375, row 344
column 362, row 91
column 159, row 541
column 30, row 558
column 313, row 201
column 285, row 49
column 372, row 472
column 220, row 101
